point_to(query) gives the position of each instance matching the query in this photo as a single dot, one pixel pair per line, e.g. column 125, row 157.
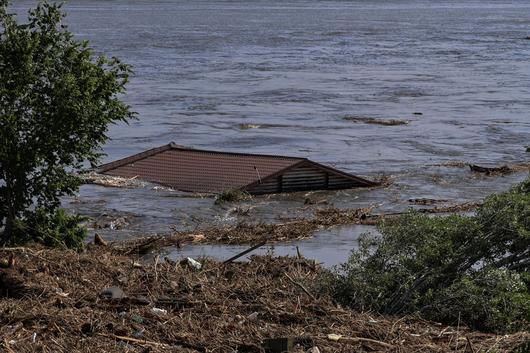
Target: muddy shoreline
column 58, row 301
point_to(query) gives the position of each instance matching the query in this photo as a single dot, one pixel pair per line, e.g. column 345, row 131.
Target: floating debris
column 376, row 121
column 454, row 164
column 424, row 201
column 249, row 233
column 295, row 229
column 315, row 201
column 505, row 169
column 490, row 170
column 111, row 181
column 249, row 126
column 106, row 221
column 231, row 195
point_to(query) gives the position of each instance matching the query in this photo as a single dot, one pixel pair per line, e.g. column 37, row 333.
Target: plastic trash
column 159, row 311
column 192, row 263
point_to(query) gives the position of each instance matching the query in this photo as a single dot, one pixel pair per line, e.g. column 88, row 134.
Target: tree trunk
column 7, row 235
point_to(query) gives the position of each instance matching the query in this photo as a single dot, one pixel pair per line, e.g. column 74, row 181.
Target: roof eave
column 352, row 177
column 134, row 158
column 365, row 182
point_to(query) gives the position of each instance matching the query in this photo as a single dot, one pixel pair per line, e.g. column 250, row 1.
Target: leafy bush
column 473, row 268
column 492, row 299
column 58, row 229
column 505, row 222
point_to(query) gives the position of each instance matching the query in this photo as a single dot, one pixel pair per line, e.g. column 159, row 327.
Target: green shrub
column 231, row 195
column 58, row 229
column 468, row 267
column 505, row 222
column 491, row 299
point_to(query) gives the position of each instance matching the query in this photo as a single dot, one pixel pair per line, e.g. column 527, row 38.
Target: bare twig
column 301, row 286
column 137, row 341
column 354, row 340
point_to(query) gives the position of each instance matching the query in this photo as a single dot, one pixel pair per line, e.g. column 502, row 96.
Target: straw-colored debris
column 51, row 302
column 251, row 233
column 376, row 121
column 296, row 229
column 111, row 181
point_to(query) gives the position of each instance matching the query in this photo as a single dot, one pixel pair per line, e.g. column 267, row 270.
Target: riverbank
column 54, row 300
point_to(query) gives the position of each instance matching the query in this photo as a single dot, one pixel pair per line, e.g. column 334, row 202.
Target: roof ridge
column 176, row 146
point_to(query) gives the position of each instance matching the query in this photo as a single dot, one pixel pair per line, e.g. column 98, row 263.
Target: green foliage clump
column 58, row 229
column 231, row 195
column 491, row 299
column 57, row 100
column 469, row 268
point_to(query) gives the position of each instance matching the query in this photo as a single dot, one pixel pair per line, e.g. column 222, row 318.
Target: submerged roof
column 194, row 170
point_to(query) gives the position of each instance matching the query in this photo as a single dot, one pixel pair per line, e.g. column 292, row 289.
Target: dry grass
column 53, row 305
column 111, row 181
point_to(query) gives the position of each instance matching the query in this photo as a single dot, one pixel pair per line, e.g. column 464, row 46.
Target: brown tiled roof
column 193, row 170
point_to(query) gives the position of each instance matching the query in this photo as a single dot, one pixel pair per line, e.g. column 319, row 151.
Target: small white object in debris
column 137, row 264
column 34, row 337
column 12, row 342
column 59, row 292
column 334, row 337
column 314, row 349
column 159, row 311
column 193, row 263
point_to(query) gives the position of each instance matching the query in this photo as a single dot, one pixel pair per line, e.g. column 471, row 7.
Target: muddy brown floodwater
column 427, row 82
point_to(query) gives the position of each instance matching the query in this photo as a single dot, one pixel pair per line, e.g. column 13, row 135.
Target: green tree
column 57, row 99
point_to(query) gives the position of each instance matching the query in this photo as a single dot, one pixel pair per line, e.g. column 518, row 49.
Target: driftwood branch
column 301, row 286
column 137, row 341
column 259, row 245
column 355, row 340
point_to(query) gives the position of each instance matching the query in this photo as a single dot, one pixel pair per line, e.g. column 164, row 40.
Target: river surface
column 458, row 71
